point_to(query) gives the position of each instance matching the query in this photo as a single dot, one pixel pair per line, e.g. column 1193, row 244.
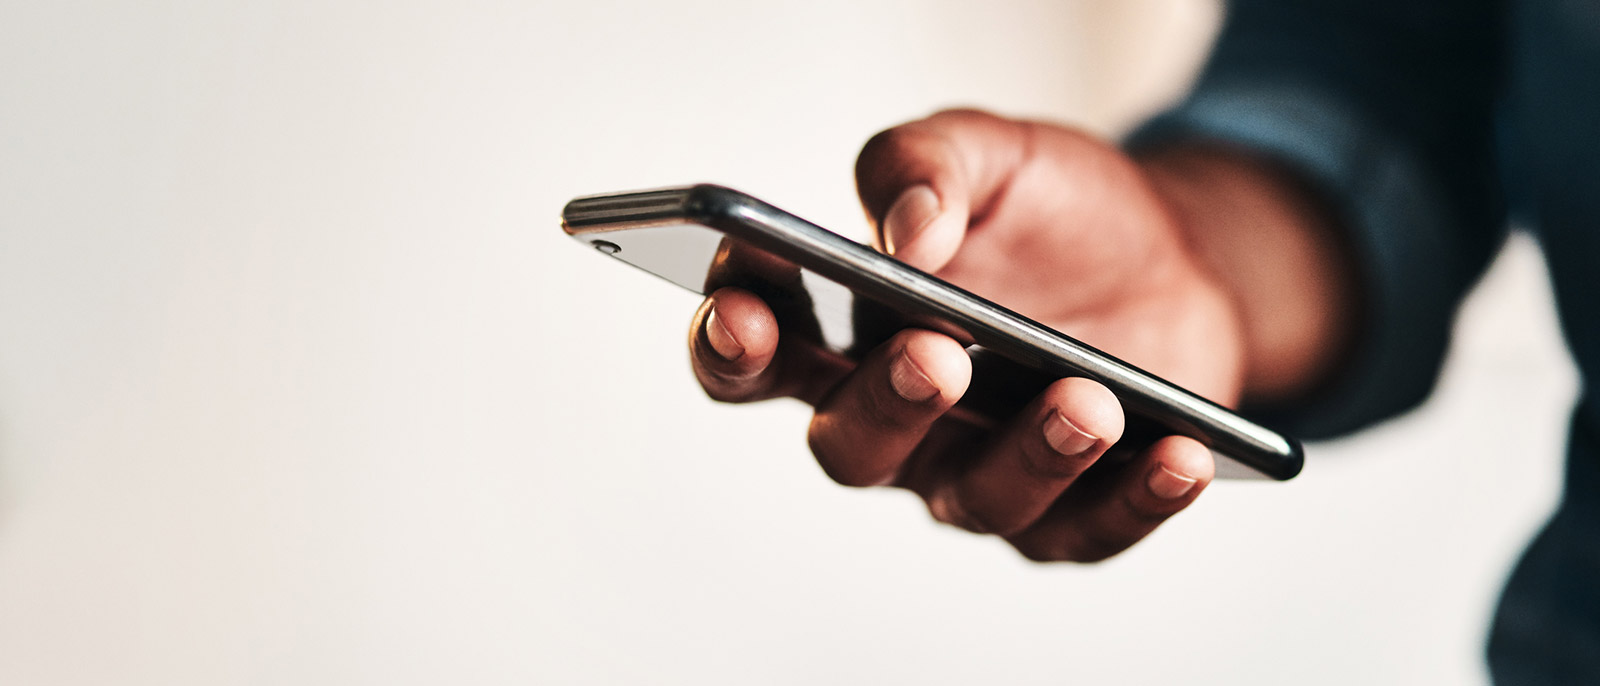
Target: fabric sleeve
column 1386, row 110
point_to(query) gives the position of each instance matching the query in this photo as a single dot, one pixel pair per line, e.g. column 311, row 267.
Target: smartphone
column 846, row 298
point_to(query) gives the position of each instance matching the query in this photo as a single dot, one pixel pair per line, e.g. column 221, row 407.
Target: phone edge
column 737, row 213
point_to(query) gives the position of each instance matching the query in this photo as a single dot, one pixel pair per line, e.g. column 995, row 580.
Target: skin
column 1202, row 264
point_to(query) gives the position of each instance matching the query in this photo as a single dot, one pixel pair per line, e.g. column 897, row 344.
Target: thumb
column 919, row 182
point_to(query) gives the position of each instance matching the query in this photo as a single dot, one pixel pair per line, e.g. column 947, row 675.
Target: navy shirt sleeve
column 1387, row 110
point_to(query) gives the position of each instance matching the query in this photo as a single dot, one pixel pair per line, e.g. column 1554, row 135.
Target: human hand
column 1061, row 228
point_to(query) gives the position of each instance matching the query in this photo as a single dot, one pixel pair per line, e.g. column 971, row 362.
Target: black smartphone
column 847, row 298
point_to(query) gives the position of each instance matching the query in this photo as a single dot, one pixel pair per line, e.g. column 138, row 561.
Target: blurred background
column 301, row 383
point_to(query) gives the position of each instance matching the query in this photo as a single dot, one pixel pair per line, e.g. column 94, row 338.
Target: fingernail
column 909, row 381
column 1065, row 436
column 912, row 212
column 1168, row 484
column 721, row 339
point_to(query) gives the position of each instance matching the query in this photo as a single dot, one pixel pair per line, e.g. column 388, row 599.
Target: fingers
column 1163, row 480
column 921, row 182
column 864, row 429
column 868, row 421
column 1033, row 460
column 732, row 344
column 1027, row 485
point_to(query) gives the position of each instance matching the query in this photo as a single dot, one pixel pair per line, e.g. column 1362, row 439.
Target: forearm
column 1276, row 249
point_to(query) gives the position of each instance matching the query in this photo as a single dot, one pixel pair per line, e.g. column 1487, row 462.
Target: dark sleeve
column 1386, row 108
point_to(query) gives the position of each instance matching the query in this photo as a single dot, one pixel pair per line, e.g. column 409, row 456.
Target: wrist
column 1274, row 247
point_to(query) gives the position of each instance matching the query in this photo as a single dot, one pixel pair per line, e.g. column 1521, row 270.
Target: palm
column 1078, row 241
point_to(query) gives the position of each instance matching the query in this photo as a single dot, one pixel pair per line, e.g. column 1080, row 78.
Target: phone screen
column 702, row 260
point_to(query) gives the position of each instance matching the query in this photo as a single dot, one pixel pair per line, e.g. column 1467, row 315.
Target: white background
column 300, row 382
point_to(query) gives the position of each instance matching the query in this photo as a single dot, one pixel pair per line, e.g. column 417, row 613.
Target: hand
column 1063, row 229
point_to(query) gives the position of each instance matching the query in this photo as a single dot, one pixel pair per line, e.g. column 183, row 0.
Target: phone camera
column 606, row 247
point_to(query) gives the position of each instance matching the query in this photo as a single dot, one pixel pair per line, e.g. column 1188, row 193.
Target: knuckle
column 978, row 521
column 1095, row 557
column 881, row 409
column 1147, row 514
column 983, row 516
column 1091, row 546
column 719, row 393
column 838, row 463
column 1035, row 551
column 727, row 395
column 947, row 508
column 879, row 412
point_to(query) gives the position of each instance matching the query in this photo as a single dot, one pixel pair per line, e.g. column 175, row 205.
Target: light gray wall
column 299, row 382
